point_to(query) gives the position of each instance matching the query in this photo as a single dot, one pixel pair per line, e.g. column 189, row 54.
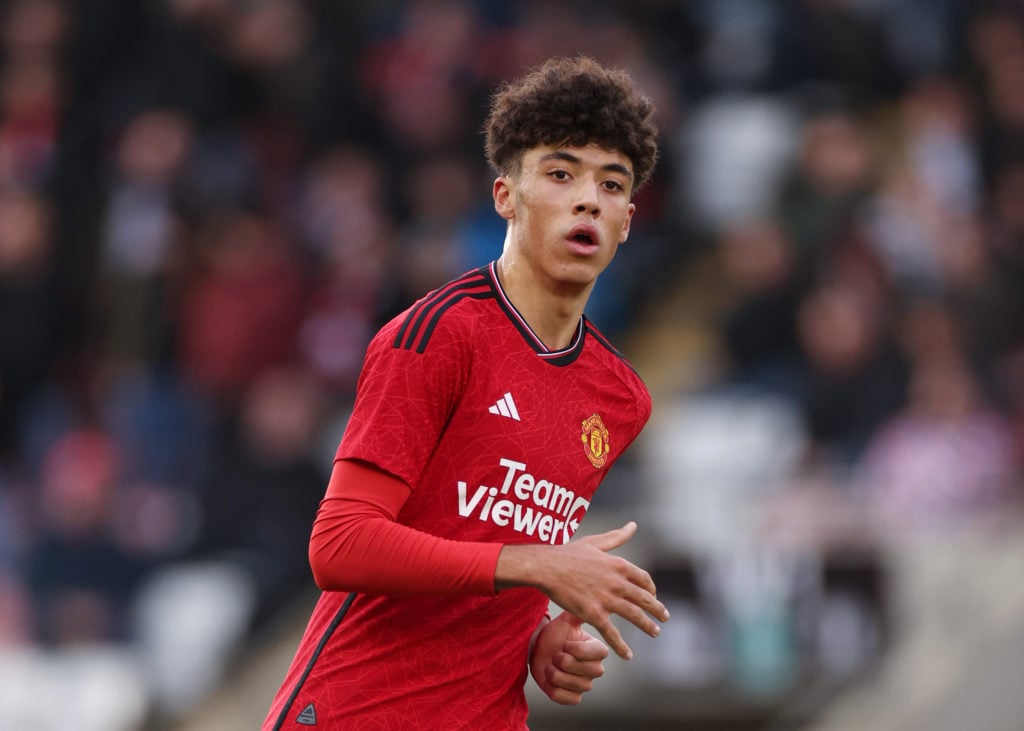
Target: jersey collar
column 561, row 357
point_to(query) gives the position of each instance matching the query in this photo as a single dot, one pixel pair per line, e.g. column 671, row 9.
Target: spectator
column 854, row 376
column 141, row 238
column 946, row 458
column 29, row 326
column 264, row 487
column 240, row 309
column 81, row 579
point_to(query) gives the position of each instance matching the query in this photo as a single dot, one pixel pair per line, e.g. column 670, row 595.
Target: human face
column 568, row 210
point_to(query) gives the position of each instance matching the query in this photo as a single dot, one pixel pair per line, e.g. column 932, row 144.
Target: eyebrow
column 613, row 167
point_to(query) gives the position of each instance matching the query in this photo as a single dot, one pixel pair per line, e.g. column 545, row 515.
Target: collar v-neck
column 561, row 357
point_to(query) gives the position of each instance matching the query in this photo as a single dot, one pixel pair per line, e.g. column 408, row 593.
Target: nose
column 586, row 202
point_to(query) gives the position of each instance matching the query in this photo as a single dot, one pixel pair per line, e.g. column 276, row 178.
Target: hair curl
column 572, row 102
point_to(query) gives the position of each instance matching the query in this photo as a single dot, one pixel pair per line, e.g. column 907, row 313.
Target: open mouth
column 583, row 235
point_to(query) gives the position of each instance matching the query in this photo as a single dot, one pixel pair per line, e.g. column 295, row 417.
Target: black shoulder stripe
column 440, row 310
column 409, row 330
column 422, row 319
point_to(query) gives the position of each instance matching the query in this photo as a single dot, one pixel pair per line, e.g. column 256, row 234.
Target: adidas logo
column 506, row 407
column 307, row 717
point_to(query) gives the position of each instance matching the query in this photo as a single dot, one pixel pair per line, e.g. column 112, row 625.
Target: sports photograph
column 458, row 365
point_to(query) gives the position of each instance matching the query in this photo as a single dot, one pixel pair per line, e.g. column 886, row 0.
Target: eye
column 559, row 174
column 613, row 185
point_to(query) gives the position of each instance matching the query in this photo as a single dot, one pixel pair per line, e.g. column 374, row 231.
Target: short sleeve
column 405, row 398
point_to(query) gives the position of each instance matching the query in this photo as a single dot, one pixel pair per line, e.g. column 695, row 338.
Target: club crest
column 595, row 440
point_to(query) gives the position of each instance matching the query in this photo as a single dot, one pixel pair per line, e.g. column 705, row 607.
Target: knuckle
column 590, row 612
column 620, row 564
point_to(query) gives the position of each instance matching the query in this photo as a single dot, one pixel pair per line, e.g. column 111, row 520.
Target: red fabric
column 356, row 544
column 498, row 440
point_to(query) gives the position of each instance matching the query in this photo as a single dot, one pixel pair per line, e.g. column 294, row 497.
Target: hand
column 587, row 581
column 566, row 659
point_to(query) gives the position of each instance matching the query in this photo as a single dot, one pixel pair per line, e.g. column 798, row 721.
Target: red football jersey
column 501, row 440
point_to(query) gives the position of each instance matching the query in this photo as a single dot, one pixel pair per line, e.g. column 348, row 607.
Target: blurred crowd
column 207, row 207
column 873, row 254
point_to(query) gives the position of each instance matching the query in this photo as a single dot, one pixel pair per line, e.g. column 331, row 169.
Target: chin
column 581, row 274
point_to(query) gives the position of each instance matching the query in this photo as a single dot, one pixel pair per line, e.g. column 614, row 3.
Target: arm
column 356, row 545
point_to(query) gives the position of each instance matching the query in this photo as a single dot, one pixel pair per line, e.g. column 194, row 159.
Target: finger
column 568, row 681
column 638, row 576
column 635, row 613
column 644, row 596
column 648, row 606
column 572, row 620
column 573, row 666
column 613, row 539
column 564, row 697
column 614, row 639
column 586, row 650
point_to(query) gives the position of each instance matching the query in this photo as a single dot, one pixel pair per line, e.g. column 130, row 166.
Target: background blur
column 208, row 206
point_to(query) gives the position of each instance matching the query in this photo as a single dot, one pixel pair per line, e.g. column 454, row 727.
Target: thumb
column 615, row 538
column 574, row 625
column 571, row 619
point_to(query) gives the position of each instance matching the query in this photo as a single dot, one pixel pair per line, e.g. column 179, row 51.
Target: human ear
column 624, row 234
column 502, row 194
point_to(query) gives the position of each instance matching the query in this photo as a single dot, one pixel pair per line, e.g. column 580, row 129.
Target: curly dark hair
column 572, row 102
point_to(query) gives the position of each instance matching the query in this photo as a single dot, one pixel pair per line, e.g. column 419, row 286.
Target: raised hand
column 586, row 580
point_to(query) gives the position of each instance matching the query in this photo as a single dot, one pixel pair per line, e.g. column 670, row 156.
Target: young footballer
column 485, row 417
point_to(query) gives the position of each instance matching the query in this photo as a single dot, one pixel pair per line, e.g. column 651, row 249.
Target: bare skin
column 558, row 195
column 566, row 659
column 568, row 210
column 587, row 581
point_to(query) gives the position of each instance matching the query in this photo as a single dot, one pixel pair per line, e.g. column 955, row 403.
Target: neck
column 552, row 310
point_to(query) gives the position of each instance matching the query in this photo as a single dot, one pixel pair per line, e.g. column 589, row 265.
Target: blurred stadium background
column 207, row 207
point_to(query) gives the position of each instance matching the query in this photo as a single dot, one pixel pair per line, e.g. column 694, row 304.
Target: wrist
column 520, row 565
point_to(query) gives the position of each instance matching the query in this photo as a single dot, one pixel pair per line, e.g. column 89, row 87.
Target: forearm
column 523, row 565
column 356, row 545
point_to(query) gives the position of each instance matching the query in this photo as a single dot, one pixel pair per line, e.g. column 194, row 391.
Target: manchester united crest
column 595, row 440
